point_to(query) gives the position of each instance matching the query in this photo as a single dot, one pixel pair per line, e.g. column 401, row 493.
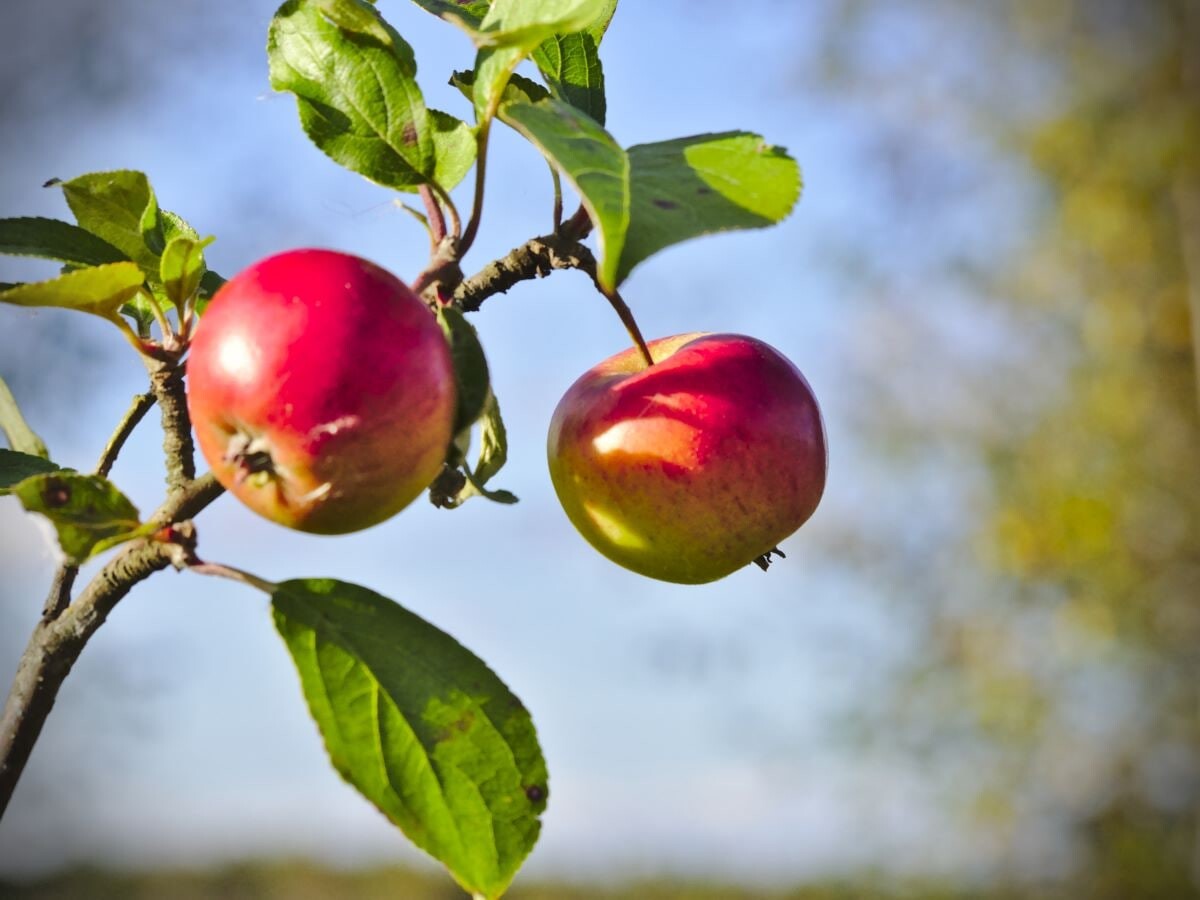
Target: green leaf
column 493, row 444
column 571, row 66
column 356, row 17
column 454, row 146
column 88, row 511
column 210, row 283
column 524, row 24
column 518, row 90
column 20, row 436
column 16, row 467
column 511, row 30
column 181, row 268
column 52, row 239
column 174, row 225
column 420, row 726
column 699, row 185
column 358, row 96
column 470, row 366
column 100, row 290
column 119, row 207
column 591, row 160
column 466, row 14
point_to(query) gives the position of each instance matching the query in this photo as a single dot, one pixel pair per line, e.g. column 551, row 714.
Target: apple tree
column 326, row 395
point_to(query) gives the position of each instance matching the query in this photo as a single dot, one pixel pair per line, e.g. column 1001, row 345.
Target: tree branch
column 166, row 383
column 137, row 411
column 58, row 639
column 536, row 258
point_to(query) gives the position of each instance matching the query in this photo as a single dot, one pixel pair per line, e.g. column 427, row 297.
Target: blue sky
column 689, row 728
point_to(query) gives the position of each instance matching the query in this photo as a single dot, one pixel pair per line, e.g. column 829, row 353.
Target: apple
column 321, row 390
column 689, row 469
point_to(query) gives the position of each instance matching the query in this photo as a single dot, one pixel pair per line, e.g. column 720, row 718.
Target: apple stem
column 626, row 316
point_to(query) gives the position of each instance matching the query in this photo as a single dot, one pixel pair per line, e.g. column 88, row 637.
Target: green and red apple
column 689, row 469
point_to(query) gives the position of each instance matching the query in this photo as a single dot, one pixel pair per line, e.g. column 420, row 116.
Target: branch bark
column 58, row 640
column 536, row 258
column 166, row 383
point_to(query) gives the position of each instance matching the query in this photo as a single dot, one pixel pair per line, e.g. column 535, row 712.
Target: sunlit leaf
column 692, row 186
column 100, row 290
column 120, row 208
column 357, row 94
column 420, row 726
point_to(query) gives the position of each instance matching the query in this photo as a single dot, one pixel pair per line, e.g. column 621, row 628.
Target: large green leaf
column 698, row 185
column 357, row 92
column 52, row 239
column 16, row 467
column 100, row 290
column 88, row 511
column 420, row 726
column 120, row 208
column 591, row 160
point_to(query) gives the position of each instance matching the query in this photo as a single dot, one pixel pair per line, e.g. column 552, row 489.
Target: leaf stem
column 433, row 216
column 558, row 196
column 454, row 226
column 481, row 144
column 223, row 571
column 164, row 324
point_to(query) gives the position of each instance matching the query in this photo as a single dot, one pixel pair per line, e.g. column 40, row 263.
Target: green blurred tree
column 1061, row 673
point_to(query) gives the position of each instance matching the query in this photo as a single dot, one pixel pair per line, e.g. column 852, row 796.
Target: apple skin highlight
column 321, row 390
column 689, row 469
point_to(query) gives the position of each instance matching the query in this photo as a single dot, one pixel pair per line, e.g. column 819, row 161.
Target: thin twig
column 137, row 411
column 59, row 597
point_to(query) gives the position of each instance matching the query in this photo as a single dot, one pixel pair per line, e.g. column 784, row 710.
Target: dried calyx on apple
column 322, row 391
column 691, row 468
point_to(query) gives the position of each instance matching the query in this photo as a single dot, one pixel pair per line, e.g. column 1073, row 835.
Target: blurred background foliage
column 1023, row 388
column 1059, row 674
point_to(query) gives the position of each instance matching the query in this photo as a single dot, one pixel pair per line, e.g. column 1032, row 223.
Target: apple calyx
column 250, row 455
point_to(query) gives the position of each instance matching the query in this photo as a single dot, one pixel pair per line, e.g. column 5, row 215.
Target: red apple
column 321, row 390
column 692, row 468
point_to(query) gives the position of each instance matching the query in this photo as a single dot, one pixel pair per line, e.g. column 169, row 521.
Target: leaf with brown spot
column 89, row 513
